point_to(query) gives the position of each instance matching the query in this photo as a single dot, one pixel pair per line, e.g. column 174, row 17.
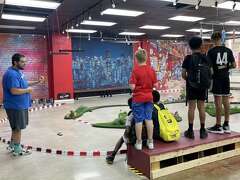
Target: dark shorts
column 18, row 118
column 196, row 94
column 221, row 87
column 142, row 111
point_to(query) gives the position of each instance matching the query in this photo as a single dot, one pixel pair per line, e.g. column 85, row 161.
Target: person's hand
column 29, row 90
column 41, row 79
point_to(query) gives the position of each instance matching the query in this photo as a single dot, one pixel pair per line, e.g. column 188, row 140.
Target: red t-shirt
column 144, row 77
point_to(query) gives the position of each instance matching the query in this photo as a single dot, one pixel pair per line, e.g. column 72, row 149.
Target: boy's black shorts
column 196, row 94
column 221, row 86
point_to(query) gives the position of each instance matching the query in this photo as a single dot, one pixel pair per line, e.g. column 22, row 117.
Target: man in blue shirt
column 17, row 100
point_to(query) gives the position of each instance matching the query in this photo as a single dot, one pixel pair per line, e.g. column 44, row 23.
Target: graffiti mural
column 99, row 65
column 166, row 58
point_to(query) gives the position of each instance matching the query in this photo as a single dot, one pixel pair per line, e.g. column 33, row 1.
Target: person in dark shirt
column 156, row 101
column 194, row 95
column 222, row 60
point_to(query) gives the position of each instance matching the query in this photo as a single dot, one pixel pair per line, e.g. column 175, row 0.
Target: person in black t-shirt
column 194, row 95
column 222, row 60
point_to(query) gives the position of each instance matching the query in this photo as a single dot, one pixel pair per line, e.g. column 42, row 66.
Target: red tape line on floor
column 95, row 153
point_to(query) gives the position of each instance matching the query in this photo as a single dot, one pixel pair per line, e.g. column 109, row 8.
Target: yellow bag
column 169, row 128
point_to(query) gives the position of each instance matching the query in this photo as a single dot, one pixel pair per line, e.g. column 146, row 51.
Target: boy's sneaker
column 110, row 159
column 203, row 133
column 150, row 144
column 22, row 152
column 189, row 134
column 226, row 128
column 216, row 129
column 10, row 148
column 138, row 145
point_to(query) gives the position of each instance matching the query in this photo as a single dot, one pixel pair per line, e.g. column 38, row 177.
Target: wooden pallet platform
column 168, row 158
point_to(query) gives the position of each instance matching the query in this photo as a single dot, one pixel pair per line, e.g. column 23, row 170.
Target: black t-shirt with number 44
column 220, row 58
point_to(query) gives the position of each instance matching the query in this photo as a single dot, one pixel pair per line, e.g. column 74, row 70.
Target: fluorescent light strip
column 98, row 23
column 87, row 31
column 206, row 37
column 229, row 5
column 199, row 30
column 173, row 35
column 231, row 32
column 22, row 18
column 154, row 27
column 33, row 3
column 168, row 0
column 131, row 33
column 232, row 23
column 17, row 27
column 121, row 12
column 186, row 18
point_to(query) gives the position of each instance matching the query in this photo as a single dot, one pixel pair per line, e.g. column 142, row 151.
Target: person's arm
column 18, row 91
column 132, row 86
column 232, row 63
column 132, row 81
column 33, row 83
column 13, row 85
column 184, row 74
column 185, row 66
column 155, row 81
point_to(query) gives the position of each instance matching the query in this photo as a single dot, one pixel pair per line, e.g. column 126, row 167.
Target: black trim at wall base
column 102, row 93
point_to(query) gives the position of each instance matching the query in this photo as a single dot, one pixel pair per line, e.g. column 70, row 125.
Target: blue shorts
column 142, row 111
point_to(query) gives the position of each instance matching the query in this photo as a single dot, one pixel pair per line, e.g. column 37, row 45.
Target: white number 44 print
column 222, row 60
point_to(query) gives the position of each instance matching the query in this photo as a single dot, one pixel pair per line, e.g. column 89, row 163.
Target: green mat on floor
column 210, row 109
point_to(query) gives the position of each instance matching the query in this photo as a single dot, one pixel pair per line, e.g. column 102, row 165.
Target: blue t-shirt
column 14, row 78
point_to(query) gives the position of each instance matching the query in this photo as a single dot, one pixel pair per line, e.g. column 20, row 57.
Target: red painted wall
column 60, row 67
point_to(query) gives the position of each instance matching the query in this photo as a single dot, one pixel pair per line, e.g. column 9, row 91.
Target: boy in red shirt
column 142, row 81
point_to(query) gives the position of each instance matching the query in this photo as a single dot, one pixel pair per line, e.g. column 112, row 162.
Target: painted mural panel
column 35, row 49
column 100, row 65
column 166, row 58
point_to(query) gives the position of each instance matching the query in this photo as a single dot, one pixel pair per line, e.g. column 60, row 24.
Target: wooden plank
column 155, row 166
column 237, row 145
column 194, row 163
column 193, row 149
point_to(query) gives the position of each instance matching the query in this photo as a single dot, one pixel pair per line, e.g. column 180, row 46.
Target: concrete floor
column 43, row 129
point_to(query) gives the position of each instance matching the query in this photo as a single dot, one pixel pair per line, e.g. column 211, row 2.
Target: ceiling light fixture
column 234, row 5
column 17, row 27
column 199, row 30
column 233, row 23
column 131, row 33
column 34, row 3
column 121, row 12
column 175, row 2
column 113, row 4
column 154, row 27
column 186, row 18
column 22, row 18
column 88, row 31
column 98, row 23
column 172, row 35
column 229, row 5
column 198, row 4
